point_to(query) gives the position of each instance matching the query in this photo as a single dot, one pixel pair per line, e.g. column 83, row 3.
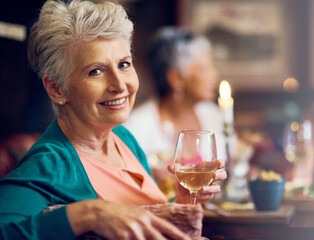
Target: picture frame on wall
column 249, row 38
column 311, row 49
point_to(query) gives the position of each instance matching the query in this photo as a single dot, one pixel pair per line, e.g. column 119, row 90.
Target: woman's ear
column 175, row 80
column 54, row 92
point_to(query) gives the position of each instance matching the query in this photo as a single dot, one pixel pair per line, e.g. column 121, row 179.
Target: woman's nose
column 116, row 82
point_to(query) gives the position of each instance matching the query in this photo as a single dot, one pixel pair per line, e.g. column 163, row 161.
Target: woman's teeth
column 114, row 103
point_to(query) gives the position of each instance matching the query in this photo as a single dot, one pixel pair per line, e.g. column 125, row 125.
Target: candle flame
column 224, row 90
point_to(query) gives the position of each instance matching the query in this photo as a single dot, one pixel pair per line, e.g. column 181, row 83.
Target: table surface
column 288, row 222
column 282, row 216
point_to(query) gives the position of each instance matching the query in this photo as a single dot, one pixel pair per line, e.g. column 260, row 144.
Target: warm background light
column 294, row 126
column 225, row 101
column 291, row 85
column 224, row 90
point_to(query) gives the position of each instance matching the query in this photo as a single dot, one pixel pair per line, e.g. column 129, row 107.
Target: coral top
column 113, row 184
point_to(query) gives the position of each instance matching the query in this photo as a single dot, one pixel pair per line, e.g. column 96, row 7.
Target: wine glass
column 298, row 149
column 297, row 141
column 194, row 157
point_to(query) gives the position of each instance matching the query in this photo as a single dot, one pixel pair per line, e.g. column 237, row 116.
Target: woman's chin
column 120, row 121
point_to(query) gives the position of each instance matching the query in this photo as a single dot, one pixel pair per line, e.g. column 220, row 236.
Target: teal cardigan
column 50, row 173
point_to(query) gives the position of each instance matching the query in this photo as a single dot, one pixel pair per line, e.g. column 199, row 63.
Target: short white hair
column 173, row 47
column 63, row 25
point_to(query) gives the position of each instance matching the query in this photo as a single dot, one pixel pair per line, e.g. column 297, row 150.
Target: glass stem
column 193, row 197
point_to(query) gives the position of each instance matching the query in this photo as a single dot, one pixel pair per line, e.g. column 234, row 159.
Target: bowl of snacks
column 267, row 191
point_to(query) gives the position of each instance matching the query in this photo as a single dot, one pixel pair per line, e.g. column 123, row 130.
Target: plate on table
column 300, row 196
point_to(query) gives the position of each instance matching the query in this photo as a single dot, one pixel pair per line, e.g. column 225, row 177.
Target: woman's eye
column 124, row 65
column 95, row 72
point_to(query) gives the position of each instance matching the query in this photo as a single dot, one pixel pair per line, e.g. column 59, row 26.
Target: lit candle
column 225, row 101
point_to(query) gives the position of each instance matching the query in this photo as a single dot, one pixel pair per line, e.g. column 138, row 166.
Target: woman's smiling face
column 201, row 78
column 103, row 84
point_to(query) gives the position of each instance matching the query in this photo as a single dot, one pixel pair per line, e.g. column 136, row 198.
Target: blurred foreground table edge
column 284, row 224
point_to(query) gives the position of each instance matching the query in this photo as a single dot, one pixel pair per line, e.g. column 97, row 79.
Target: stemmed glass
column 194, row 157
column 298, row 149
column 297, row 141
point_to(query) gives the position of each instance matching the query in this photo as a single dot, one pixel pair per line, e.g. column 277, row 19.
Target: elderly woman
column 85, row 160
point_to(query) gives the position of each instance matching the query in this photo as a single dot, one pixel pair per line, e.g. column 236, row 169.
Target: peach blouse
column 113, row 184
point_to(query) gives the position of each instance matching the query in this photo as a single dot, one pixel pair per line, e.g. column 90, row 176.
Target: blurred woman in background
column 186, row 82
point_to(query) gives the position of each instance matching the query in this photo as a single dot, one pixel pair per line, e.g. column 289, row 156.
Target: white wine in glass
column 194, row 160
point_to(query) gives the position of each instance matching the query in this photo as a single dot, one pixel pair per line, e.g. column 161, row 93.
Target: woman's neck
column 84, row 137
column 98, row 144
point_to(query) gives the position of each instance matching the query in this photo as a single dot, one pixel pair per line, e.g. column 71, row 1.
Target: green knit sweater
column 50, row 173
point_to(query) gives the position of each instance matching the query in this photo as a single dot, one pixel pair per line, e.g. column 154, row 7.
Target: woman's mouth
column 114, row 102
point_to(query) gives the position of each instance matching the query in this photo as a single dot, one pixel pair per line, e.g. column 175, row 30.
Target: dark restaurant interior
column 264, row 49
column 19, row 85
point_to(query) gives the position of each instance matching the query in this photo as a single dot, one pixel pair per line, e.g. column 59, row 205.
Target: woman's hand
column 207, row 192
column 118, row 221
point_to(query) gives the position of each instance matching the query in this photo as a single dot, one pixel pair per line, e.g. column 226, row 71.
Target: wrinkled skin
column 119, row 221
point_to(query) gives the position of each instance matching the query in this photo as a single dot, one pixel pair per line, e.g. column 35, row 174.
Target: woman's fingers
column 152, row 233
column 171, row 168
column 220, row 164
column 119, row 221
column 211, row 189
column 152, row 227
column 220, row 175
column 169, row 229
column 204, row 198
column 207, row 193
column 144, row 229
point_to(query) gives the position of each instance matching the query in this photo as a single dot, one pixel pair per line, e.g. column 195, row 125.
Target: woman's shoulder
column 52, row 140
column 208, row 107
column 50, row 159
column 143, row 117
column 51, row 149
column 145, row 109
column 210, row 116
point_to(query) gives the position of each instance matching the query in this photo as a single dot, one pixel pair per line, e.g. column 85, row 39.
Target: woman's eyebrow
column 102, row 64
column 94, row 64
column 127, row 57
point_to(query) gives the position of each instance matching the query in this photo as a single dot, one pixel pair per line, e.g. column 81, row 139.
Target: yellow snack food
column 269, row 176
